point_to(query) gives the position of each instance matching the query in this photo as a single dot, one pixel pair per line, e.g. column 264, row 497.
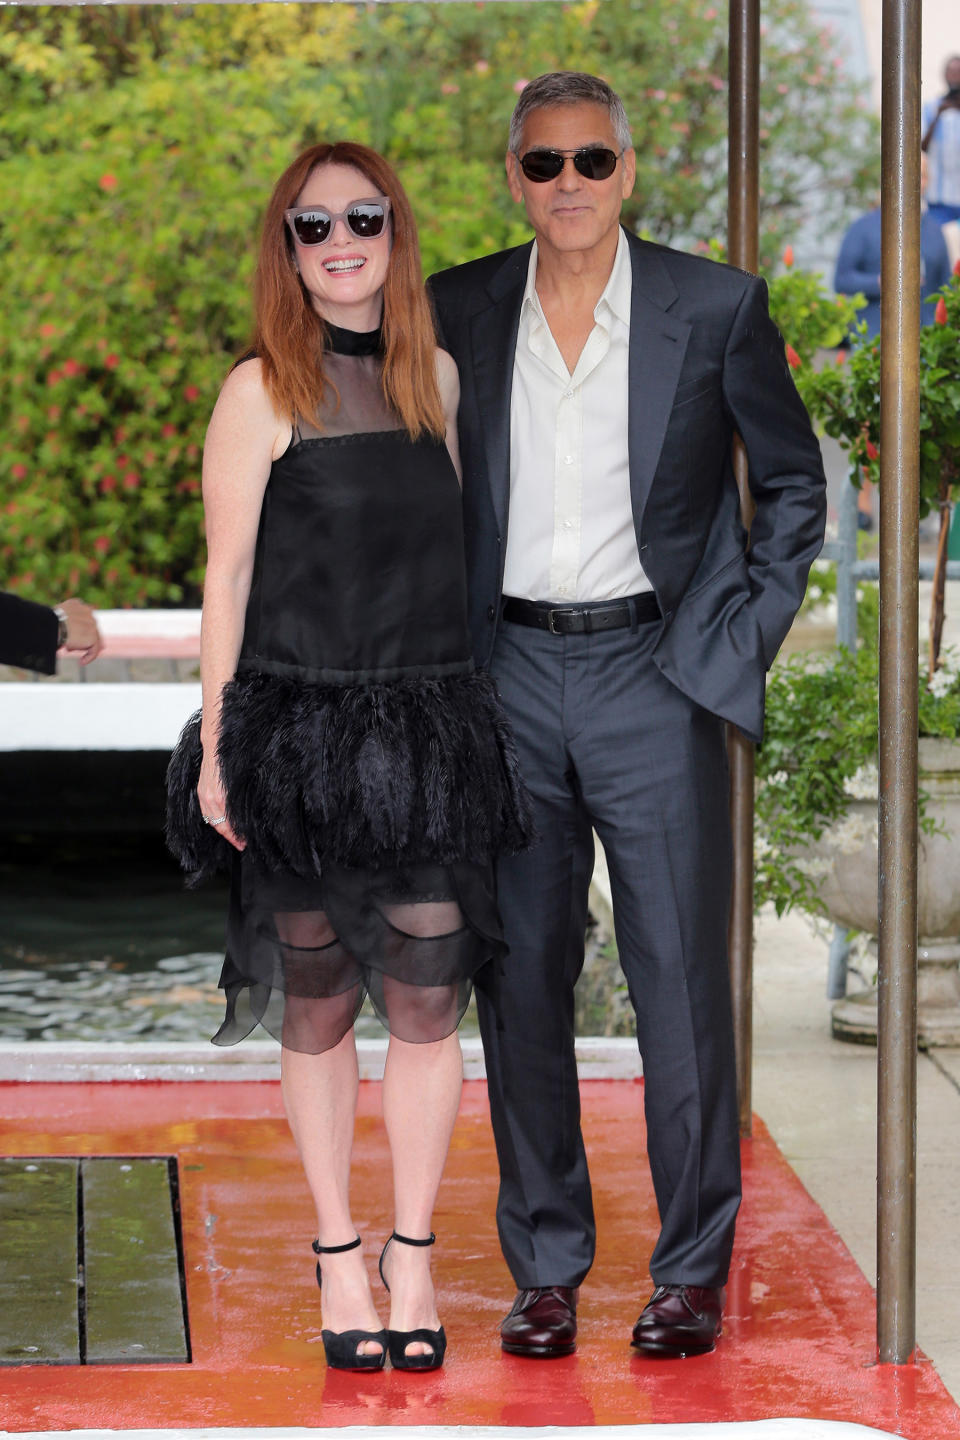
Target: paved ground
column 817, row 1095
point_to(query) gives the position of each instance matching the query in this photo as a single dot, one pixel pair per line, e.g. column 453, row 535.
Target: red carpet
column 799, row 1330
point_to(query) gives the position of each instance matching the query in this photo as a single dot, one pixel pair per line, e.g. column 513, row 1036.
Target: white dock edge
column 779, row 1429
column 131, row 716
column 84, row 1061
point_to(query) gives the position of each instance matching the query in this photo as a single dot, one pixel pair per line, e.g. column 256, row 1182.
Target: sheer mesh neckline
column 354, row 342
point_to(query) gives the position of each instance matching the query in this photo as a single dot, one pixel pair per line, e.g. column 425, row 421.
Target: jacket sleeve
column 785, row 467
column 28, row 634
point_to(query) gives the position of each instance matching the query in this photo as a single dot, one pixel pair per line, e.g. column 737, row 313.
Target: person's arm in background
column 31, row 634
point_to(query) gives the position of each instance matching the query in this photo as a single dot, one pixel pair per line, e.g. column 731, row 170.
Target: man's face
column 953, row 74
column 571, row 213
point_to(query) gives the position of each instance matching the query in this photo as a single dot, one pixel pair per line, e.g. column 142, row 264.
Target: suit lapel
column 658, row 343
column 494, row 341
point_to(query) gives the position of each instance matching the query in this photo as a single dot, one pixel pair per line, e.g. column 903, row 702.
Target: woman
column 347, row 752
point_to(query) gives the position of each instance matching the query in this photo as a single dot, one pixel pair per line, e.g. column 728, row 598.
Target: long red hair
column 291, row 338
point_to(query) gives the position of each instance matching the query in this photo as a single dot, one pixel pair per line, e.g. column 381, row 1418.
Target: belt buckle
column 558, row 610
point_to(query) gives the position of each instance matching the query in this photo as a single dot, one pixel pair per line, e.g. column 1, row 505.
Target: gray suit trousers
column 607, row 743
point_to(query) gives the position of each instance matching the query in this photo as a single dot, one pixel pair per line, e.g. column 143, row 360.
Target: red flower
column 108, row 182
column 190, row 392
column 131, row 481
column 108, row 483
column 111, row 361
column 18, row 471
column 940, row 314
column 872, row 452
column 793, row 359
column 70, row 367
column 956, row 271
column 54, row 377
column 101, row 544
column 47, row 329
column 168, row 431
column 788, row 256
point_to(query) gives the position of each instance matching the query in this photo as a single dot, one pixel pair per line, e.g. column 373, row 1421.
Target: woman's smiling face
column 345, row 276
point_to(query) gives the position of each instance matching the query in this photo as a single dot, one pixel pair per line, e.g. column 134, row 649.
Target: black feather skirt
column 372, row 816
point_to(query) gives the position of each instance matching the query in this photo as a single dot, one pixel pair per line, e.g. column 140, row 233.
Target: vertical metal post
column 899, row 543
column 743, row 162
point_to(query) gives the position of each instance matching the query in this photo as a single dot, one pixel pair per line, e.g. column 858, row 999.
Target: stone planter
column 845, row 862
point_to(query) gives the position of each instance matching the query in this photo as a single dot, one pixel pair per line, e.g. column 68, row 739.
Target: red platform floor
column 798, row 1333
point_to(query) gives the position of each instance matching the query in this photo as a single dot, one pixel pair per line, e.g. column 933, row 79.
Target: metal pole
column 899, row 490
column 743, row 168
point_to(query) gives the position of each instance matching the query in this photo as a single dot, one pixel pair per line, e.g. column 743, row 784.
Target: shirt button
column 568, row 459
column 568, row 394
column 491, row 612
column 568, row 524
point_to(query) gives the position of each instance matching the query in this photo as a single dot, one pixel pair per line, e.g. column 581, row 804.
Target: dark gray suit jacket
column 28, row 634
column 705, row 361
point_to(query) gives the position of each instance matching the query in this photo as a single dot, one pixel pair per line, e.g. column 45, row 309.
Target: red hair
column 290, row 337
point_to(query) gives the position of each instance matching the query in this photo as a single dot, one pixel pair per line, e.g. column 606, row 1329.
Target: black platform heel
column 400, row 1339
column 341, row 1346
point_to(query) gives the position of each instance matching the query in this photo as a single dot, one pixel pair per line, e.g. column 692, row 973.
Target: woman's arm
column 244, row 436
column 448, row 379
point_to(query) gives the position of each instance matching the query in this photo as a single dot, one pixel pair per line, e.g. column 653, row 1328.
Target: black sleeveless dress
column 367, row 766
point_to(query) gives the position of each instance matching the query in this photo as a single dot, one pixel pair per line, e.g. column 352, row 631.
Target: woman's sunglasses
column 594, row 162
column 312, row 225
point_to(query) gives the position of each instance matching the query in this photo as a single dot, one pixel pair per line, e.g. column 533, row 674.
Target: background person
column 603, row 378
column 346, row 750
column 858, row 262
column 941, row 145
column 31, row 634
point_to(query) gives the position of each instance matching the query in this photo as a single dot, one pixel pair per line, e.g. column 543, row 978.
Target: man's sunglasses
column 313, row 225
column 594, row 162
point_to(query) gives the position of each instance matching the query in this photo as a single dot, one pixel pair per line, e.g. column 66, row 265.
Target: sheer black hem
column 302, row 954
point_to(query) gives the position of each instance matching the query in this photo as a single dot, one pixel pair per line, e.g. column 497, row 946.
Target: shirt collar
column 616, row 292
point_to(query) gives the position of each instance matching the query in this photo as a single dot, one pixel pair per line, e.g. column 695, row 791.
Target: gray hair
column 569, row 87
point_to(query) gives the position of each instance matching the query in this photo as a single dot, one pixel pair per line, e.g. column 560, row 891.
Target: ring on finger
column 214, row 819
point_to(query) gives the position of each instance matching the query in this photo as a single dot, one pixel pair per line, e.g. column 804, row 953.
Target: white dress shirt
column 570, row 534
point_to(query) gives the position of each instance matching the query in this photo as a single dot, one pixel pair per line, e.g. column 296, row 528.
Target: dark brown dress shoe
column 542, row 1323
column 680, row 1320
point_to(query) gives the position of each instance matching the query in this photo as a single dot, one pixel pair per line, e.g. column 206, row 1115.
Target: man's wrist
column 63, row 626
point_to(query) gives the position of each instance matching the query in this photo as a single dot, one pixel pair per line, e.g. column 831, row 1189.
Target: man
column 31, row 635
column 858, row 263
column 941, row 145
column 602, row 378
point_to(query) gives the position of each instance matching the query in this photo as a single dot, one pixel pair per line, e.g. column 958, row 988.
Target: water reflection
column 99, row 940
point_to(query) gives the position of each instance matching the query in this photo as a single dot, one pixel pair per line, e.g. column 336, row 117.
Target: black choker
column 354, row 342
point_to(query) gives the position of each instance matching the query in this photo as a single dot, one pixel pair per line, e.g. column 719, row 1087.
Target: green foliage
column 808, row 317
column 845, row 398
column 822, row 728
column 138, row 146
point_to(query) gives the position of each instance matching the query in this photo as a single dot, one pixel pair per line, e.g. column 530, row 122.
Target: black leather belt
column 582, row 619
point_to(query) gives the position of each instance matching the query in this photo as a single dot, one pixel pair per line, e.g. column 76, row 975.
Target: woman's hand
column 213, row 799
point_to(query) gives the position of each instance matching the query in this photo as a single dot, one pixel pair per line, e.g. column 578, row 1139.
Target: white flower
column 942, row 683
column 863, row 785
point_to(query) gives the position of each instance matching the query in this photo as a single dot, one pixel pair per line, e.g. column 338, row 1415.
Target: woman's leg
column 320, row 1098
column 421, row 1095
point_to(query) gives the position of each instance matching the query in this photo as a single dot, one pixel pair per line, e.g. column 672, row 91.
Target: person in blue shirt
column 941, row 145
column 858, row 264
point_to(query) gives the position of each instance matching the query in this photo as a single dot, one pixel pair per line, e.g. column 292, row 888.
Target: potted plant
column 817, row 786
